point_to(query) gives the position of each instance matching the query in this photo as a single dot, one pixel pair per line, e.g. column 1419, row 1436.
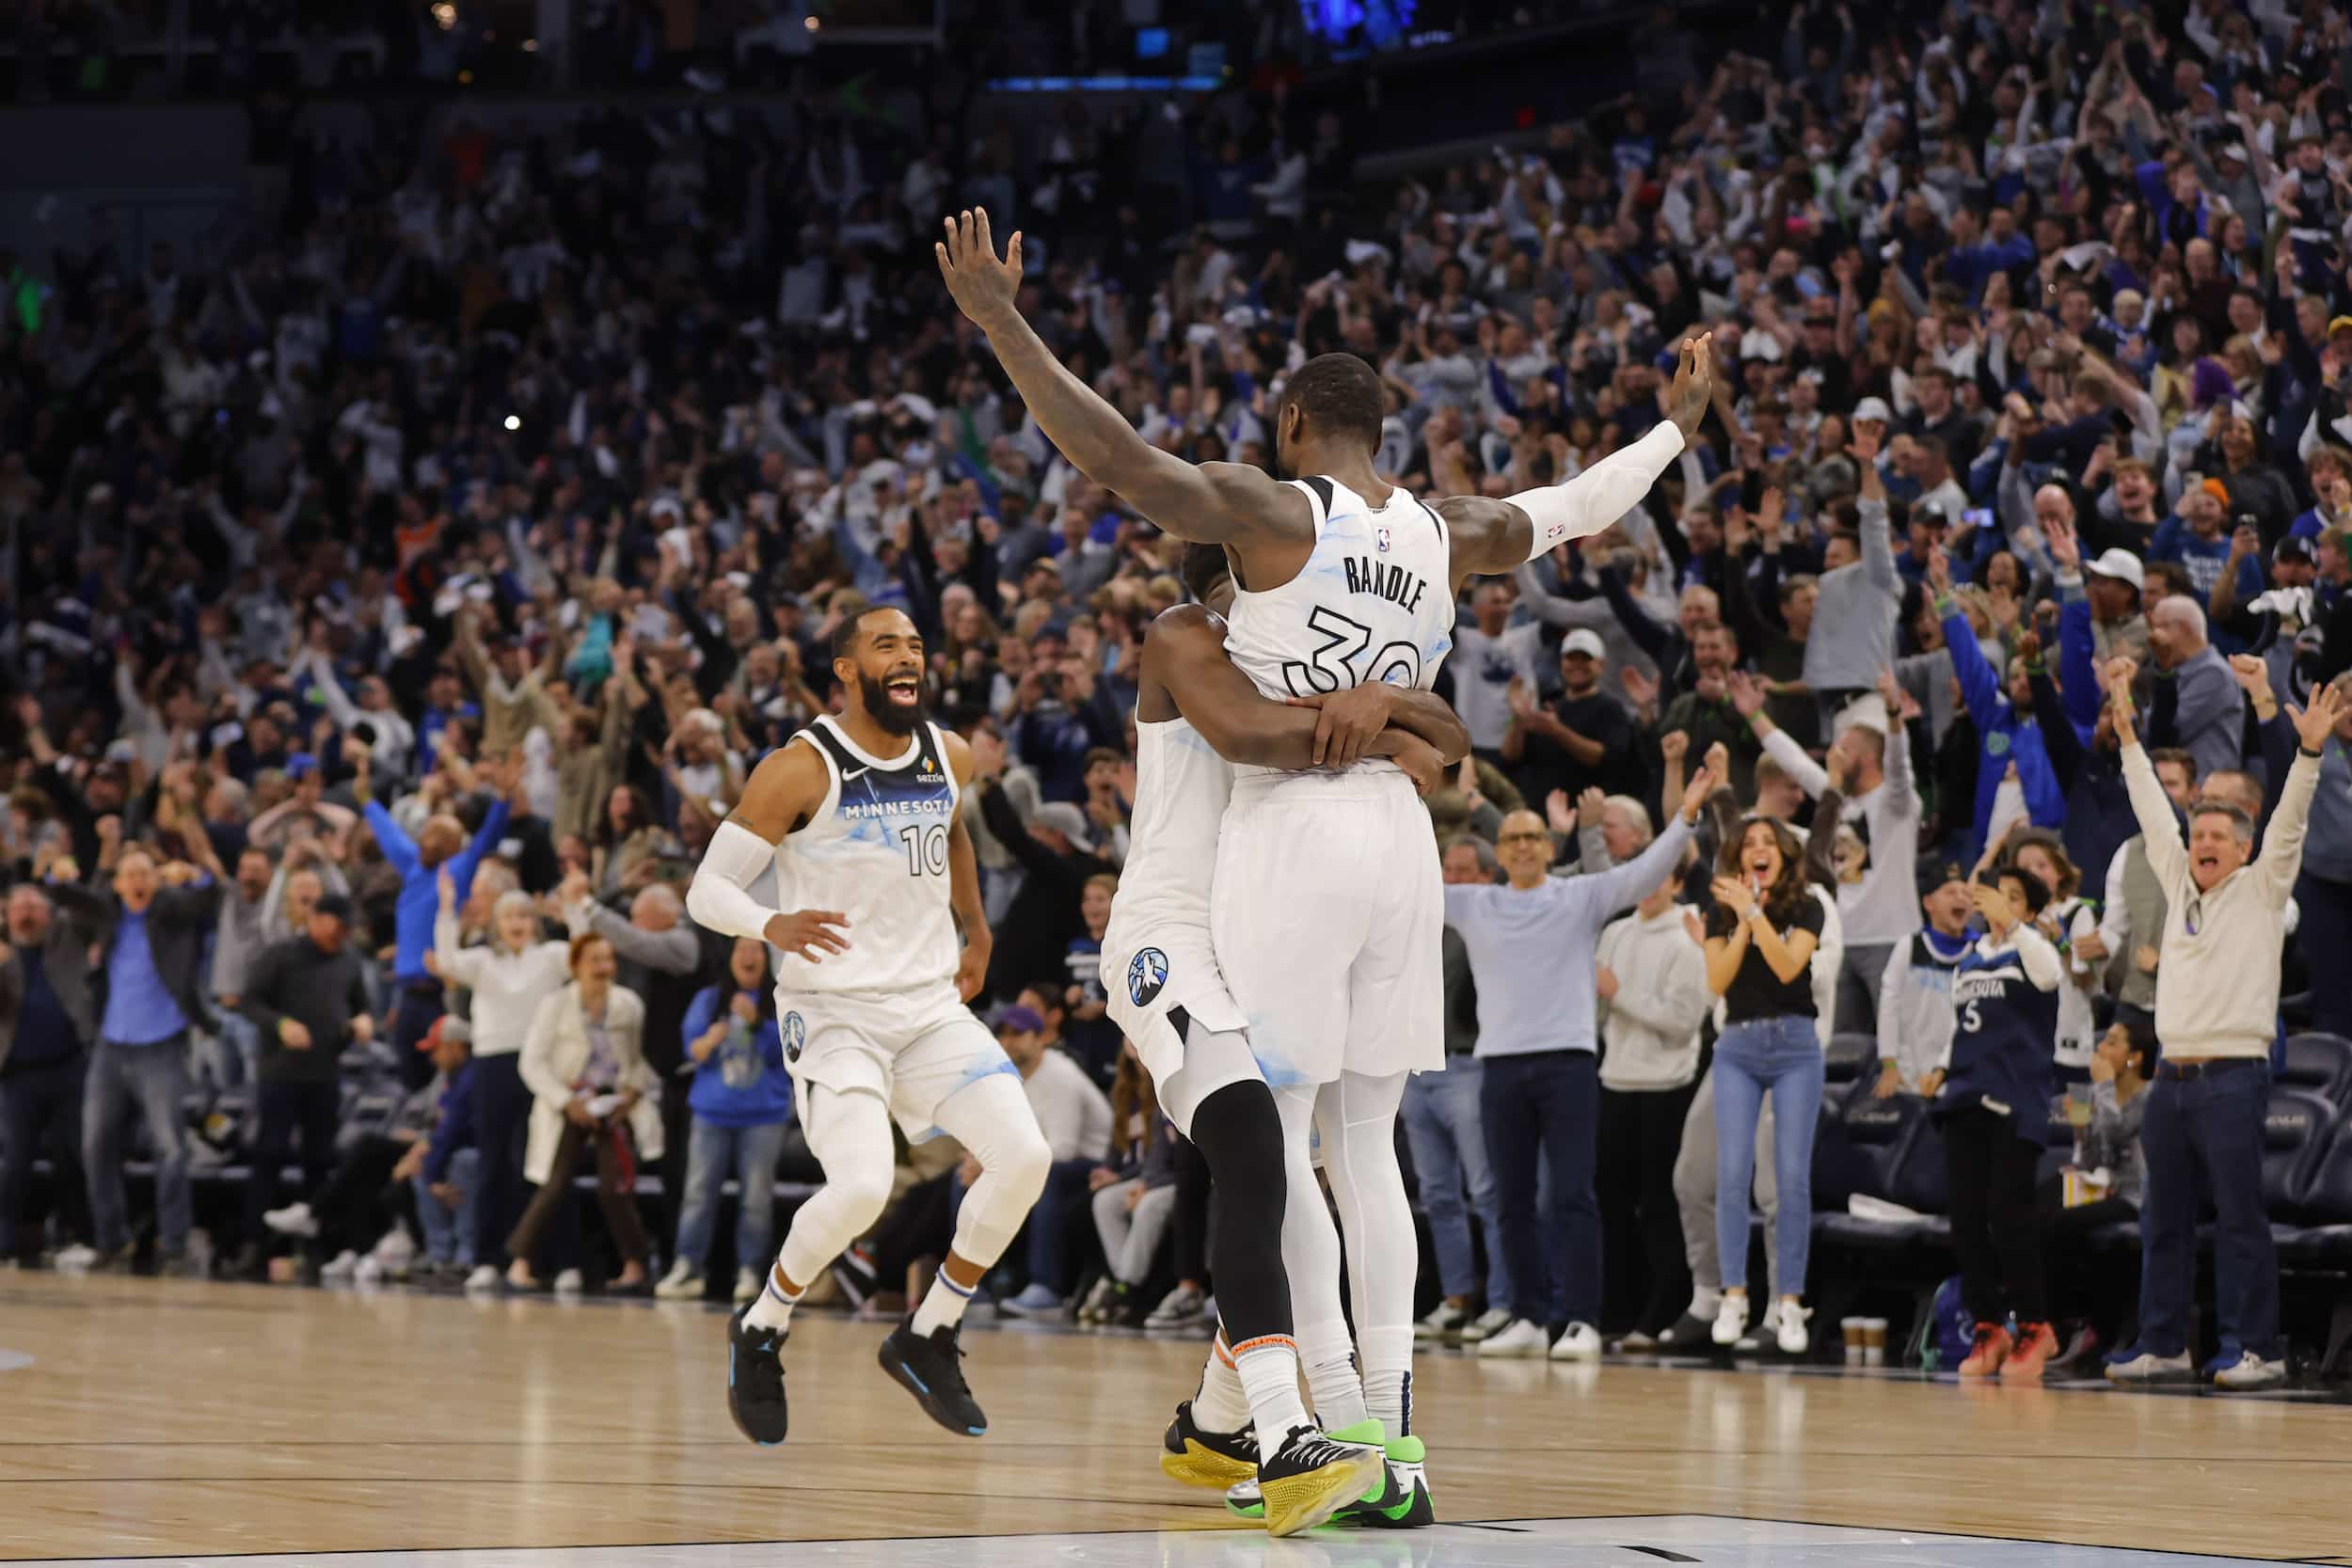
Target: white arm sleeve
column 1601, row 494
column 719, row 896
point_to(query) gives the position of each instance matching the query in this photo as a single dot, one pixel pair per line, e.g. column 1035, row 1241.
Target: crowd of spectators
column 432, row 571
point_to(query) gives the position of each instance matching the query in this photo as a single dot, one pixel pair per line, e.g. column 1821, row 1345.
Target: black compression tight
column 1239, row 1133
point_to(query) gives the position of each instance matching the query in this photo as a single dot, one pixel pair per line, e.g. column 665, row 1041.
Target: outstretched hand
column 984, row 286
column 2065, row 547
column 2315, row 723
column 1693, row 387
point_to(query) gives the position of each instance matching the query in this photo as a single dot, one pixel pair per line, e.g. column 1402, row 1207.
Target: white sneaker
column 2146, row 1368
column 747, row 1285
column 1731, row 1319
column 684, row 1282
column 1794, row 1339
column 1521, row 1339
column 341, row 1266
column 76, row 1258
column 396, row 1251
column 370, row 1271
column 1443, row 1320
column 569, row 1283
column 1581, row 1342
column 1490, row 1323
column 485, row 1280
column 2251, row 1371
column 295, row 1219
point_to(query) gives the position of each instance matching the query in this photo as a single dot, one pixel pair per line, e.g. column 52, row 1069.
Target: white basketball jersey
column 1375, row 602
column 1182, row 785
column 876, row 850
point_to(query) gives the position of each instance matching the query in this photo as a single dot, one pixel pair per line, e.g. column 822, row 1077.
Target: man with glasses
column 2216, row 1014
column 1532, row 940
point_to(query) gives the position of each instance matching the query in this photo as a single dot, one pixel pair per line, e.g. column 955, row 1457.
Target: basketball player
column 856, row 817
column 1326, row 907
column 1196, row 715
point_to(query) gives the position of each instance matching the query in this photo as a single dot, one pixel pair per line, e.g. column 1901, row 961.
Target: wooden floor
column 178, row 1419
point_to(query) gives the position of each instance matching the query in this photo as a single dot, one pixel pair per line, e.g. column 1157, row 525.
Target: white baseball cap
column 1865, row 712
column 1583, row 640
column 1874, row 408
column 2123, row 567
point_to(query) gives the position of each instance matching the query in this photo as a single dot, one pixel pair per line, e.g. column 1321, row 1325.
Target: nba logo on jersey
column 795, row 1036
column 1381, row 538
column 1146, row 975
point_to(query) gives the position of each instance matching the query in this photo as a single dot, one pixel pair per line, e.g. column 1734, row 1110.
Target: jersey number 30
column 1342, row 660
column 927, row 848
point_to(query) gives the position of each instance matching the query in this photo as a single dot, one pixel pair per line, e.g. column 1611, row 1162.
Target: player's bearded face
column 893, row 692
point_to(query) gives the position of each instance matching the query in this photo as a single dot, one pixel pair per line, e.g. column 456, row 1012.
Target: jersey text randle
column 1384, row 580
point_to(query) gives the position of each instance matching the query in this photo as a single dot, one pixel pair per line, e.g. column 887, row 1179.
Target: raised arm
column 2282, row 839
column 1980, row 684
column 1618, row 886
column 1502, row 535
column 2159, row 825
column 1207, row 502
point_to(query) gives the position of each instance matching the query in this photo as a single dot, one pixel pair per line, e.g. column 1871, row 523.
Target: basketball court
column 195, row 1423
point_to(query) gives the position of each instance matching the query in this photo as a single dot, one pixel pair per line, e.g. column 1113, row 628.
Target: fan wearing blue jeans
column 1760, row 937
column 742, row 1103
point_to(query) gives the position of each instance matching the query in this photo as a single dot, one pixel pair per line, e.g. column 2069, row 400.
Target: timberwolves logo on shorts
column 795, row 1036
column 1146, row 975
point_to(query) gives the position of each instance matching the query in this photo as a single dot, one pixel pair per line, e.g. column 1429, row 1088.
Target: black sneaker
column 1203, row 1458
column 931, row 1368
column 755, row 1379
column 1688, row 1333
column 1312, row 1478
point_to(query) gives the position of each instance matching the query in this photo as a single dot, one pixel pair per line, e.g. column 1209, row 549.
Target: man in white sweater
column 1870, row 761
column 2217, row 1015
column 1077, row 1122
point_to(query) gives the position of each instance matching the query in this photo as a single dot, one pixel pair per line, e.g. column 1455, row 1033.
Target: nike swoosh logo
column 849, row 773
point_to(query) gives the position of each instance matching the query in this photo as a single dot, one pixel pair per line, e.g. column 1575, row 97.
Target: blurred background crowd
column 404, row 573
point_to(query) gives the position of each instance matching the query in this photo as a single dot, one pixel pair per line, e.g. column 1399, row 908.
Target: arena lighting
column 514, row 421
column 444, row 15
column 811, row 24
column 1106, row 84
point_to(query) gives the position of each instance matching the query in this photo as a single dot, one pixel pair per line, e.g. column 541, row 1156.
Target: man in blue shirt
column 152, row 935
column 1532, row 941
column 45, row 1023
column 419, row 860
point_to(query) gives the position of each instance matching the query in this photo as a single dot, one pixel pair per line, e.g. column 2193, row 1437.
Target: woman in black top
column 1761, row 936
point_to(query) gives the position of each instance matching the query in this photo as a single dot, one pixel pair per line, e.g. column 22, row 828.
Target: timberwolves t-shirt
column 1755, row 990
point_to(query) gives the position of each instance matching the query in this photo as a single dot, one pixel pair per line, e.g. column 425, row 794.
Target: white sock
column 942, row 1306
column 1329, row 1358
column 1268, row 1370
column 773, row 1309
column 1223, row 1405
column 1706, row 1301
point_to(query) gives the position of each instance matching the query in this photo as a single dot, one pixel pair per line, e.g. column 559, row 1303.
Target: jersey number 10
column 1342, row 660
column 927, row 848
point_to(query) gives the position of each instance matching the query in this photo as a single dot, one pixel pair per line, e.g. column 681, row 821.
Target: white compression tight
column 849, row 1134
column 1355, row 1118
